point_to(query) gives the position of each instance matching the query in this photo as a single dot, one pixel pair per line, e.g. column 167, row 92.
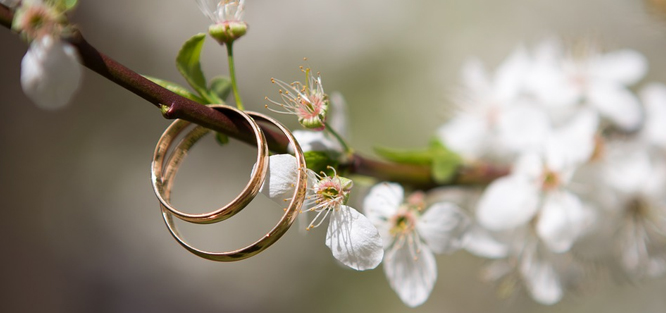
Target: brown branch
column 234, row 126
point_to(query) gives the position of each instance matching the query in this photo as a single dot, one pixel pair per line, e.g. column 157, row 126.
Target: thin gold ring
column 236, row 205
column 267, row 240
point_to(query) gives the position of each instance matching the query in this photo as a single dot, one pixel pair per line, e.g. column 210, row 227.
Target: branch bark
column 233, row 126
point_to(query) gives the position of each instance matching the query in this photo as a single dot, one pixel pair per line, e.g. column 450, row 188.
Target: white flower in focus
column 592, row 79
column 308, row 102
column 222, row 11
column 352, row 238
column 411, row 236
column 50, row 72
column 538, row 188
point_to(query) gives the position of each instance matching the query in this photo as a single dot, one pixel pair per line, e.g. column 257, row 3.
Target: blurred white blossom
column 589, row 78
column 50, row 72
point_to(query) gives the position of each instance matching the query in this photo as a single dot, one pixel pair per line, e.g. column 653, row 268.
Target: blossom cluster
column 587, row 158
column 586, row 186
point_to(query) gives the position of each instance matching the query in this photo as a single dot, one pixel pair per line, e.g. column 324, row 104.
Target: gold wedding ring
column 233, row 207
column 163, row 182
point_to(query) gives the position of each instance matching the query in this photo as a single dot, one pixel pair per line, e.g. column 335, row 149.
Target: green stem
column 341, row 140
column 232, row 73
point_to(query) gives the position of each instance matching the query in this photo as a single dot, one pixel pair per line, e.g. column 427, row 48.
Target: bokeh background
column 81, row 229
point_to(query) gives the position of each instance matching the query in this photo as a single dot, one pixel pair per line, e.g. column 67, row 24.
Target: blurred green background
column 81, row 229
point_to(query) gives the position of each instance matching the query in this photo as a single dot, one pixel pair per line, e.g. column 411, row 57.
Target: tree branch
column 234, row 126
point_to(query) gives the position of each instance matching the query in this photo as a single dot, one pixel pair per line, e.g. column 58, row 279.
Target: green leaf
column 319, row 161
column 61, row 5
column 189, row 66
column 221, row 87
column 221, row 138
column 70, row 4
column 445, row 163
column 418, row 157
column 175, row 88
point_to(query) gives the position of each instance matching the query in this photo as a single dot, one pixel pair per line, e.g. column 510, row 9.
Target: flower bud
column 227, row 32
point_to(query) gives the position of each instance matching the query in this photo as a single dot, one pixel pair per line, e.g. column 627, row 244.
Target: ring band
column 264, row 242
column 236, row 205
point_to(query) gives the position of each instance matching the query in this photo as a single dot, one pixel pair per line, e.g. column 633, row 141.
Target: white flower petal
column 573, row 143
column 654, row 99
column 616, row 103
column 623, row 66
column 475, row 77
column 467, row 135
column 208, row 8
column 628, row 169
column 282, row 177
column 528, row 166
column 383, row 201
column 523, row 127
column 510, row 75
column 507, row 203
column 9, row 3
column 479, row 241
column 380, row 204
column 443, row 227
column 338, row 116
column 562, row 220
column 353, row 239
column 412, row 279
column 541, row 279
column 316, row 141
column 50, row 72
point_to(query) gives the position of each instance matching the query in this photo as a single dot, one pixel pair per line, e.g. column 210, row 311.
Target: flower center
column 551, row 180
column 329, row 192
column 403, row 223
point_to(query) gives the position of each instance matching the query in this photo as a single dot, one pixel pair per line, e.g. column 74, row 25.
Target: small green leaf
column 445, row 163
column 61, row 5
column 70, row 4
column 221, row 138
column 175, row 88
column 318, row 161
column 189, row 66
column 418, row 157
column 220, row 86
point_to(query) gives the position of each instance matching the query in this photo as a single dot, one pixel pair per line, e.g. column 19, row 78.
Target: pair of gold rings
column 168, row 157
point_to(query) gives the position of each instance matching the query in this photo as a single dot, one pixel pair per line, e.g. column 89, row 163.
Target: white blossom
column 519, row 256
column 638, row 182
column 538, row 186
column 352, row 238
column 311, row 140
column 590, row 78
column 50, row 72
column 476, row 131
column 307, row 101
column 222, row 11
column 411, row 236
column 653, row 133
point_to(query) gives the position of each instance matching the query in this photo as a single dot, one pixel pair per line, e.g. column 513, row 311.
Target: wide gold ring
column 264, row 242
column 236, row 205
